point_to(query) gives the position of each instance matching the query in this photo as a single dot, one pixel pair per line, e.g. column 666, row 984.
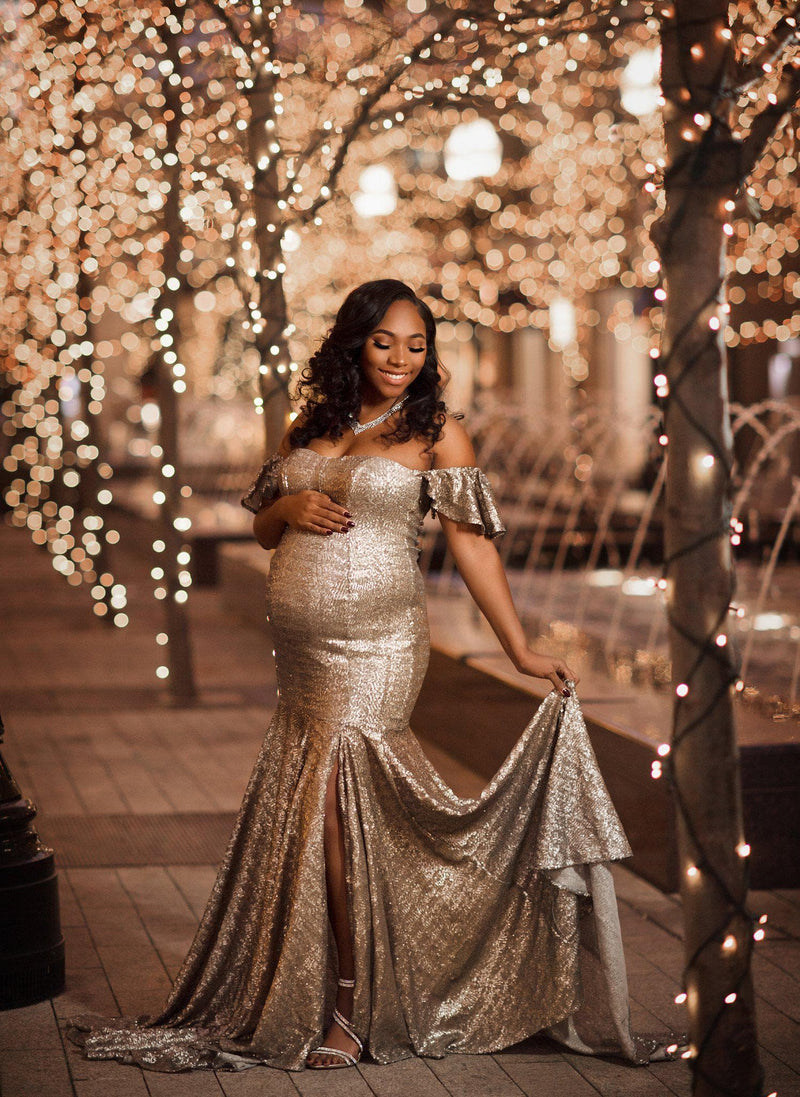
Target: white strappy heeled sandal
column 345, row 1057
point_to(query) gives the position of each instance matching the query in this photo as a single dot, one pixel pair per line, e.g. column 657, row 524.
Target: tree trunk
column 270, row 317
column 701, row 176
column 181, row 664
column 90, row 482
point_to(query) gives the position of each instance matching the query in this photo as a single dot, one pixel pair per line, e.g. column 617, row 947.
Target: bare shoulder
column 454, row 448
column 285, row 448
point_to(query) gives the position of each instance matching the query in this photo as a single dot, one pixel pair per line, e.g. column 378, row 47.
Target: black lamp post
column 31, row 945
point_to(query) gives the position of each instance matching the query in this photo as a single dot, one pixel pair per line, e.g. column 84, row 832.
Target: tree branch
column 450, row 18
column 243, row 282
column 783, row 33
column 768, row 120
column 322, row 136
column 362, row 115
column 550, row 12
column 224, row 16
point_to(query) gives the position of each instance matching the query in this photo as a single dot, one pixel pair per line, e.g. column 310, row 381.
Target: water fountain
column 583, row 547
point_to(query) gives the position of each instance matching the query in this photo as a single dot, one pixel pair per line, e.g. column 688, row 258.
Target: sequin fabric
column 476, row 922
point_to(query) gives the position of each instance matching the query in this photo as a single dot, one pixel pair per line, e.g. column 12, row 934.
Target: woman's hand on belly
column 313, row 512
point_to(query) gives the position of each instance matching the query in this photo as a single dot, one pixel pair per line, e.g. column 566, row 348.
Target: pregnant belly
column 350, row 630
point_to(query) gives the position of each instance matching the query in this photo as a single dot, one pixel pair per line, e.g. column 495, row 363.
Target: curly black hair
column 330, row 384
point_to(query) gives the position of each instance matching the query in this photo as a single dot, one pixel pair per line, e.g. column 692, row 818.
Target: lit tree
column 728, row 89
column 173, row 553
column 59, row 492
column 568, row 211
column 319, row 84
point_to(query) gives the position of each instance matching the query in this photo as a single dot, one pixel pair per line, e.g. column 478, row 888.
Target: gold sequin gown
column 476, row 922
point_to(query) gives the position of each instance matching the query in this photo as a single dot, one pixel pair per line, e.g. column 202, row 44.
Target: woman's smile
column 393, row 355
column 394, row 378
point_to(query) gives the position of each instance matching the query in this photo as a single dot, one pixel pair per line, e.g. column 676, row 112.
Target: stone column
column 620, row 380
column 529, row 370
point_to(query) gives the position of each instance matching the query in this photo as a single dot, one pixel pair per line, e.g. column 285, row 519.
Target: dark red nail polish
column 328, row 532
column 350, row 525
column 565, row 692
column 347, row 514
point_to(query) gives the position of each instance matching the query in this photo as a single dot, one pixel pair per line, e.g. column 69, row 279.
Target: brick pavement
column 93, row 739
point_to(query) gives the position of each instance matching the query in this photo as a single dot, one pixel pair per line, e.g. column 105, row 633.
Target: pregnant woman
column 362, row 905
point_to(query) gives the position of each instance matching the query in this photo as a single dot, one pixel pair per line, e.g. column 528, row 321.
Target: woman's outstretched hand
column 545, row 666
column 314, row 512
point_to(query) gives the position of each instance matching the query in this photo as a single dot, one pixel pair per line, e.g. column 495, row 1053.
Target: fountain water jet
column 565, row 522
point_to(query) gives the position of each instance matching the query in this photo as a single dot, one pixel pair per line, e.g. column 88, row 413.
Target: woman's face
column 394, row 353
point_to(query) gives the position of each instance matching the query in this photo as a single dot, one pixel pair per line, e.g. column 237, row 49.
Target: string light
column 52, row 360
column 732, row 911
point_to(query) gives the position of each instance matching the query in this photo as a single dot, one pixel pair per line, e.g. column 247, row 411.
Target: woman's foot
column 337, row 1039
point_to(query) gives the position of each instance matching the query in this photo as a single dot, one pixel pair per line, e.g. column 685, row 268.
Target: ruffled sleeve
column 464, row 495
column 265, row 487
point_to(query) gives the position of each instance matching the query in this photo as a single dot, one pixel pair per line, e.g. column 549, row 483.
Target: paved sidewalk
column 137, row 797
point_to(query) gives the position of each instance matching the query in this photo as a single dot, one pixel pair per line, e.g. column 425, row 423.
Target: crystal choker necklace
column 359, row 428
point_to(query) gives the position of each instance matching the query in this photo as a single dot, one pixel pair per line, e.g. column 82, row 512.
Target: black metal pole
column 31, row 944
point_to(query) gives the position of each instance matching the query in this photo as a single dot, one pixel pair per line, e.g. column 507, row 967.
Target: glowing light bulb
column 473, row 151
column 639, row 88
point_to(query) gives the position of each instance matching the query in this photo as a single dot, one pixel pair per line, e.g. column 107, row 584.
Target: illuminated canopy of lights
column 563, row 213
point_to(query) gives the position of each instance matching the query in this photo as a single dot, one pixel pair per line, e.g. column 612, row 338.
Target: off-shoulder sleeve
column 265, row 487
column 465, row 495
